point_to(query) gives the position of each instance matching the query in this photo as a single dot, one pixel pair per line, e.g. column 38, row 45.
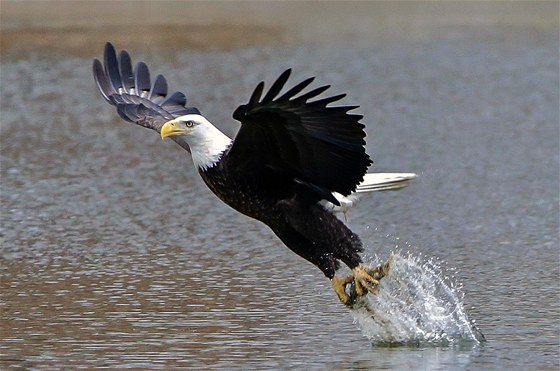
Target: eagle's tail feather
column 384, row 181
column 372, row 182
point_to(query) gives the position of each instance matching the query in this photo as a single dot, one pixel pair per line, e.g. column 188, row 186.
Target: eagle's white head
column 206, row 142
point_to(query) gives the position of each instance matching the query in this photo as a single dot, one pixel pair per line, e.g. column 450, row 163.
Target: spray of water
column 418, row 303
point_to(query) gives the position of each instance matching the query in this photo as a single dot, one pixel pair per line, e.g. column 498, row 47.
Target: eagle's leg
column 367, row 279
column 339, row 286
column 364, row 278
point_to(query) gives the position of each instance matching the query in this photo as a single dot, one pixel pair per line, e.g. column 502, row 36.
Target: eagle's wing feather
column 319, row 146
column 136, row 98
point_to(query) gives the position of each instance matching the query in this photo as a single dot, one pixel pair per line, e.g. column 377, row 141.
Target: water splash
column 418, row 303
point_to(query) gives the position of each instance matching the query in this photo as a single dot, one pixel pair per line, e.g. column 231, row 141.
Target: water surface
column 113, row 252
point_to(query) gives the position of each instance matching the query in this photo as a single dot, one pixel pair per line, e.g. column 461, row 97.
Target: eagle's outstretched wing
column 138, row 100
column 319, row 146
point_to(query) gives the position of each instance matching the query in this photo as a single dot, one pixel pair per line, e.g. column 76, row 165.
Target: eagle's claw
column 363, row 280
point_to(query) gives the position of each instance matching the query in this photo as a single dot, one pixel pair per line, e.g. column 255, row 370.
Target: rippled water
column 115, row 254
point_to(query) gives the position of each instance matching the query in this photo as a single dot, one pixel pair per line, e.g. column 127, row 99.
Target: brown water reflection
column 150, row 309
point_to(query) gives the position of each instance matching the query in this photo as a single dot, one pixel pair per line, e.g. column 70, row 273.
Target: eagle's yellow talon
column 367, row 280
column 339, row 286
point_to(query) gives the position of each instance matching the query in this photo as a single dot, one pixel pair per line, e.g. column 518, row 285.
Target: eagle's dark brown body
column 290, row 210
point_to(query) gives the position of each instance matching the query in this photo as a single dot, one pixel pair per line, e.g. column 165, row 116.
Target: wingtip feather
column 125, row 68
column 130, row 91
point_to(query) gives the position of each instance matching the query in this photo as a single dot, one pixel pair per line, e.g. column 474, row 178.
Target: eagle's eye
column 189, row 124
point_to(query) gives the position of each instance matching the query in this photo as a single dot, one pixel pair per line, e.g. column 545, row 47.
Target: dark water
column 115, row 254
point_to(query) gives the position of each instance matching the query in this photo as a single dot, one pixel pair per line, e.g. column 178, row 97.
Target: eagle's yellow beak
column 171, row 128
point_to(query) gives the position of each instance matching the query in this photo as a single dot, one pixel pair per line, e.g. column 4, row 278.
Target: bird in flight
column 295, row 162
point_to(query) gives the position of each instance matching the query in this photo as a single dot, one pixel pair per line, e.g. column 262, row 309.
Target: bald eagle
column 294, row 162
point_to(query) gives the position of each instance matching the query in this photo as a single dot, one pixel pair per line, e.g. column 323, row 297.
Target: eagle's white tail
column 384, row 181
column 372, row 182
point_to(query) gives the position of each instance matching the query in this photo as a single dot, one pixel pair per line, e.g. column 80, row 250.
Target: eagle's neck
column 208, row 145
